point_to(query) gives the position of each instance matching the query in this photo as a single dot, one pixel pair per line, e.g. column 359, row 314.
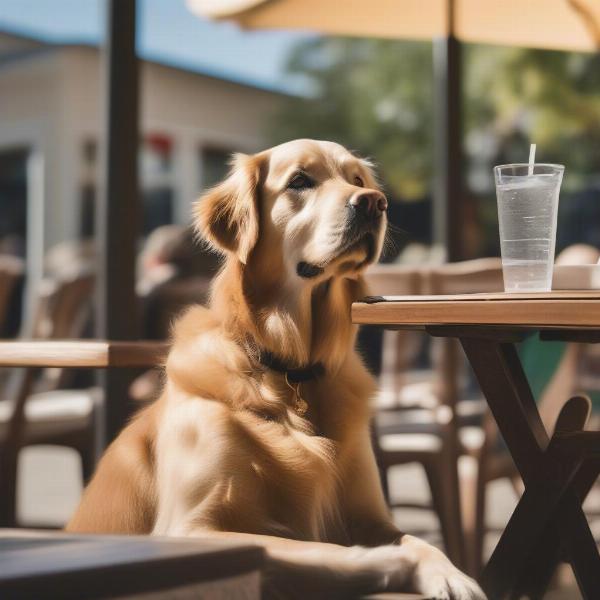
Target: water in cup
column 527, row 212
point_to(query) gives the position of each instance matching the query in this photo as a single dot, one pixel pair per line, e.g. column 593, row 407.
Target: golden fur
column 223, row 451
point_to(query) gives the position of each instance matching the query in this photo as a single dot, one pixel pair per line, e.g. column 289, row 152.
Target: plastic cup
column 527, row 212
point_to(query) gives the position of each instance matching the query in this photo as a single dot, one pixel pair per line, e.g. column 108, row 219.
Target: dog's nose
column 369, row 204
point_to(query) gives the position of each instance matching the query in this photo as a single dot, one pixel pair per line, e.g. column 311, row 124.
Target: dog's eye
column 359, row 182
column 300, row 181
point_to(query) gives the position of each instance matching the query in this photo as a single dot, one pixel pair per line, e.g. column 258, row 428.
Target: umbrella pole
column 117, row 209
column 448, row 210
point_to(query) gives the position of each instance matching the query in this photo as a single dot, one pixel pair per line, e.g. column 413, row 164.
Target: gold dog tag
column 300, row 404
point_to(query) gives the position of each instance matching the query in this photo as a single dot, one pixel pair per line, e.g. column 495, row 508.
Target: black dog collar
column 293, row 376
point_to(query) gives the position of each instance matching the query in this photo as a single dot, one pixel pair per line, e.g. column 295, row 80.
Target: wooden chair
column 399, row 347
column 427, row 421
column 407, row 428
column 465, row 277
column 473, row 276
column 53, row 415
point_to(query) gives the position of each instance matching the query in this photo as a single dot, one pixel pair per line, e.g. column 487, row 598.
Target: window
column 13, row 201
column 157, row 184
column 215, row 165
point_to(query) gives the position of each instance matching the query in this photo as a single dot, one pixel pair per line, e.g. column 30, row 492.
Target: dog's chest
column 298, row 476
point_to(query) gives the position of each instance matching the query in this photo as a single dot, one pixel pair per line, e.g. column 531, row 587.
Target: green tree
column 377, row 96
column 551, row 98
column 374, row 96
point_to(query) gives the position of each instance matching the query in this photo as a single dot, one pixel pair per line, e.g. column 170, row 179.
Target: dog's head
column 308, row 207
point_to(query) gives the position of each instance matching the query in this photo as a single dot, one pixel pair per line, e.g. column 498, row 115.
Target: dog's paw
column 437, row 578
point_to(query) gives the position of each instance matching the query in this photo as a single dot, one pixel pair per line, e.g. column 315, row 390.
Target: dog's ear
column 227, row 215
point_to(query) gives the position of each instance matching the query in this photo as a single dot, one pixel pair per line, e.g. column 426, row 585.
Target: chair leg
column 451, row 510
column 382, row 468
column 479, row 529
column 472, row 519
column 446, row 500
column 482, row 479
column 385, row 483
column 8, row 485
column 88, row 463
column 436, row 497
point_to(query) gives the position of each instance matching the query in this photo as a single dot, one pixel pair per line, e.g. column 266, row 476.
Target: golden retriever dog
column 261, row 433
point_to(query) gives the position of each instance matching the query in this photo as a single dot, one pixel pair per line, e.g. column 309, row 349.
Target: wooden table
column 49, row 565
column 548, row 524
column 59, row 565
column 97, row 354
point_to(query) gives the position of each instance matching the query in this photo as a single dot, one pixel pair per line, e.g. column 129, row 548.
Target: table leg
column 550, row 550
column 581, row 547
column 549, row 500
column 509, row 397
column 534, row 578
column 537, row 513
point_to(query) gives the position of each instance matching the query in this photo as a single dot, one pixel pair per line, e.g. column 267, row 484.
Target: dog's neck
column 301, row 322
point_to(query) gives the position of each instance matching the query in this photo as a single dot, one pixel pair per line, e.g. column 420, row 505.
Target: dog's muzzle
column 365, row 219
column 367, row 208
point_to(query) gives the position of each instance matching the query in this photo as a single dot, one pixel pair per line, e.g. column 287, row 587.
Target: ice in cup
column 527, row 212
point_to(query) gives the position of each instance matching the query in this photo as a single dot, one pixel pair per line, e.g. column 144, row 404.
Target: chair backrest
column 11, row 271
column 394, row 280
column 466, row 277
column 400, row 348
column 63, row 306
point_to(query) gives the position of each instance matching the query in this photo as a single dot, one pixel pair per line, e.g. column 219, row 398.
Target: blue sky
column 167, row 32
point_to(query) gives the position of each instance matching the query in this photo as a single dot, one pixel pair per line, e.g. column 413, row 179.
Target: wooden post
column 118, row 207
column 448, row 210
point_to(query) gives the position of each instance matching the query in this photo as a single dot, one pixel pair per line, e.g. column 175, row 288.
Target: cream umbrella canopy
column 555, row 24
column 572, row 25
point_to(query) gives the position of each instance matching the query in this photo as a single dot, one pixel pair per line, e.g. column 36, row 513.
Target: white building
column 50, row 112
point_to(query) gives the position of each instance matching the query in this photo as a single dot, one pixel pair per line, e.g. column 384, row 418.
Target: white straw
column 531, row 159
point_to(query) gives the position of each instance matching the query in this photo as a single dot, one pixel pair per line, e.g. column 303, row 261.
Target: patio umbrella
column 564, row 24
column 552, row 24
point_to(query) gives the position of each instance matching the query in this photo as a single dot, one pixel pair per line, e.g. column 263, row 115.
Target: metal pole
column 448, row 210
column 117, row 208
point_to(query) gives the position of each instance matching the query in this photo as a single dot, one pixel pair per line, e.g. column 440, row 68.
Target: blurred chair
column 473, row 419
column 400, row 348
column 35, row 409
column 481, row 275
column 413, row 428
column 69, row 258
column 421, row 415
column 11, row 272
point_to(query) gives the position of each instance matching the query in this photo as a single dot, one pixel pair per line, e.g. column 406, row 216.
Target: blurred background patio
column 208, row 89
